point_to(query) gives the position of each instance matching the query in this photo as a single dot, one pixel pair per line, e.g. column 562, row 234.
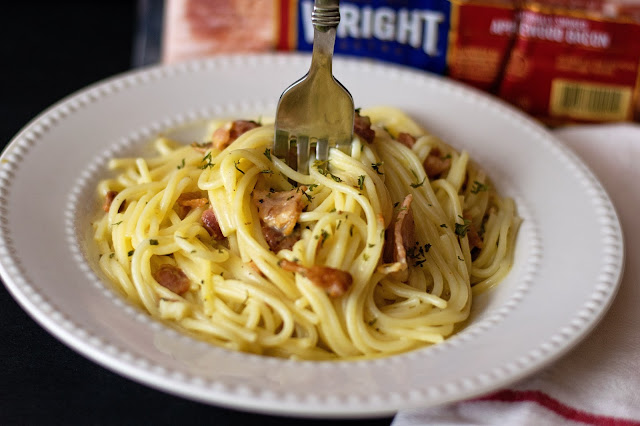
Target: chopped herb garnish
column 153, row 242
column 462, row 228
column 418, row 253
column 130, row 253
column 417, row 184
column 235, row 163
column 181, row 165
column 351, row 231
column 373, row 321
column 325, row 235
column 444, row 225
column 479, row 187
column 460, row 259
column 338, row 226
column 321, row 166
column 396, row 204
column 358, row 110
column 267, row 153
column 267, row 171
column 334, row 177
column 111, row 255
column 309, row 197
column 207, row 161
column 376, row 167
column 117, row 223
column 371, row 245
column 361, row 182
column 446, row 157
column 365, row 256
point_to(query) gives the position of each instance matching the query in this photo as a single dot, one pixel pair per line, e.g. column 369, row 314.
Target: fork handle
column 325, row 19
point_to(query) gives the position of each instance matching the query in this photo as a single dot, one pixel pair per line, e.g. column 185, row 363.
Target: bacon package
column 559, row 60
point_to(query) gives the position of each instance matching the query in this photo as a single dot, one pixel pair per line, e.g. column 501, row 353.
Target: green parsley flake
column 361, row 182
column 235, row 163
column 181, row 165
column 415, row 185
column 325, row 235
column 130, row 253
column 376, row 167
column 462, row 228
column 207, row 161
column 479, row 187
column 153, row 242
column 309, row 197
column 267, row 153
column 418, row 253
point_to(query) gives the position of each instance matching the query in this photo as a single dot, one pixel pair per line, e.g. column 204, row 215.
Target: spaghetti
column 229, row 243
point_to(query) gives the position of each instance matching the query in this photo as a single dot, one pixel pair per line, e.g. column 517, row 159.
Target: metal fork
column 316, row 112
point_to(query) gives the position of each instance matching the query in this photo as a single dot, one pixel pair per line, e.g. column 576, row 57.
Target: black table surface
column 50, row 49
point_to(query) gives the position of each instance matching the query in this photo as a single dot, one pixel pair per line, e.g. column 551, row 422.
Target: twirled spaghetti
column 387, row 246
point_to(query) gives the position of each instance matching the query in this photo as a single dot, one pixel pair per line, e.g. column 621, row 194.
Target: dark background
column 48, row 50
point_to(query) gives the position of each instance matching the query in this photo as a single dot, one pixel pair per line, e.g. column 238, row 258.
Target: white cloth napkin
column 598, row 382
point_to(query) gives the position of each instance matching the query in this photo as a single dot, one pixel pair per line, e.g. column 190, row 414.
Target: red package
column 561, row 61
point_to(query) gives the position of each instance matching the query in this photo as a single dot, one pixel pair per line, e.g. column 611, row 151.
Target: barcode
column 590, row 101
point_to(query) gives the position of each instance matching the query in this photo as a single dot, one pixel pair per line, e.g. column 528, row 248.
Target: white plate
column 568, row 261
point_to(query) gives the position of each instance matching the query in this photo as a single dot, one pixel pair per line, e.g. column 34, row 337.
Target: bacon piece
column 279, row 210
column 406, row 139
column 435, row 165
column 362, row 127
column 224, row 136
column 399, row 237
column 472, row 234
column 210, row 223
column 108, row 199
column 254, row 267
column 189, row 200
column 277, row 240
column 336, row 282
column 172, row 277
column 192, row 199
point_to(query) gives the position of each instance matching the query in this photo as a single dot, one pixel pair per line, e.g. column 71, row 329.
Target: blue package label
column 408, row 32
